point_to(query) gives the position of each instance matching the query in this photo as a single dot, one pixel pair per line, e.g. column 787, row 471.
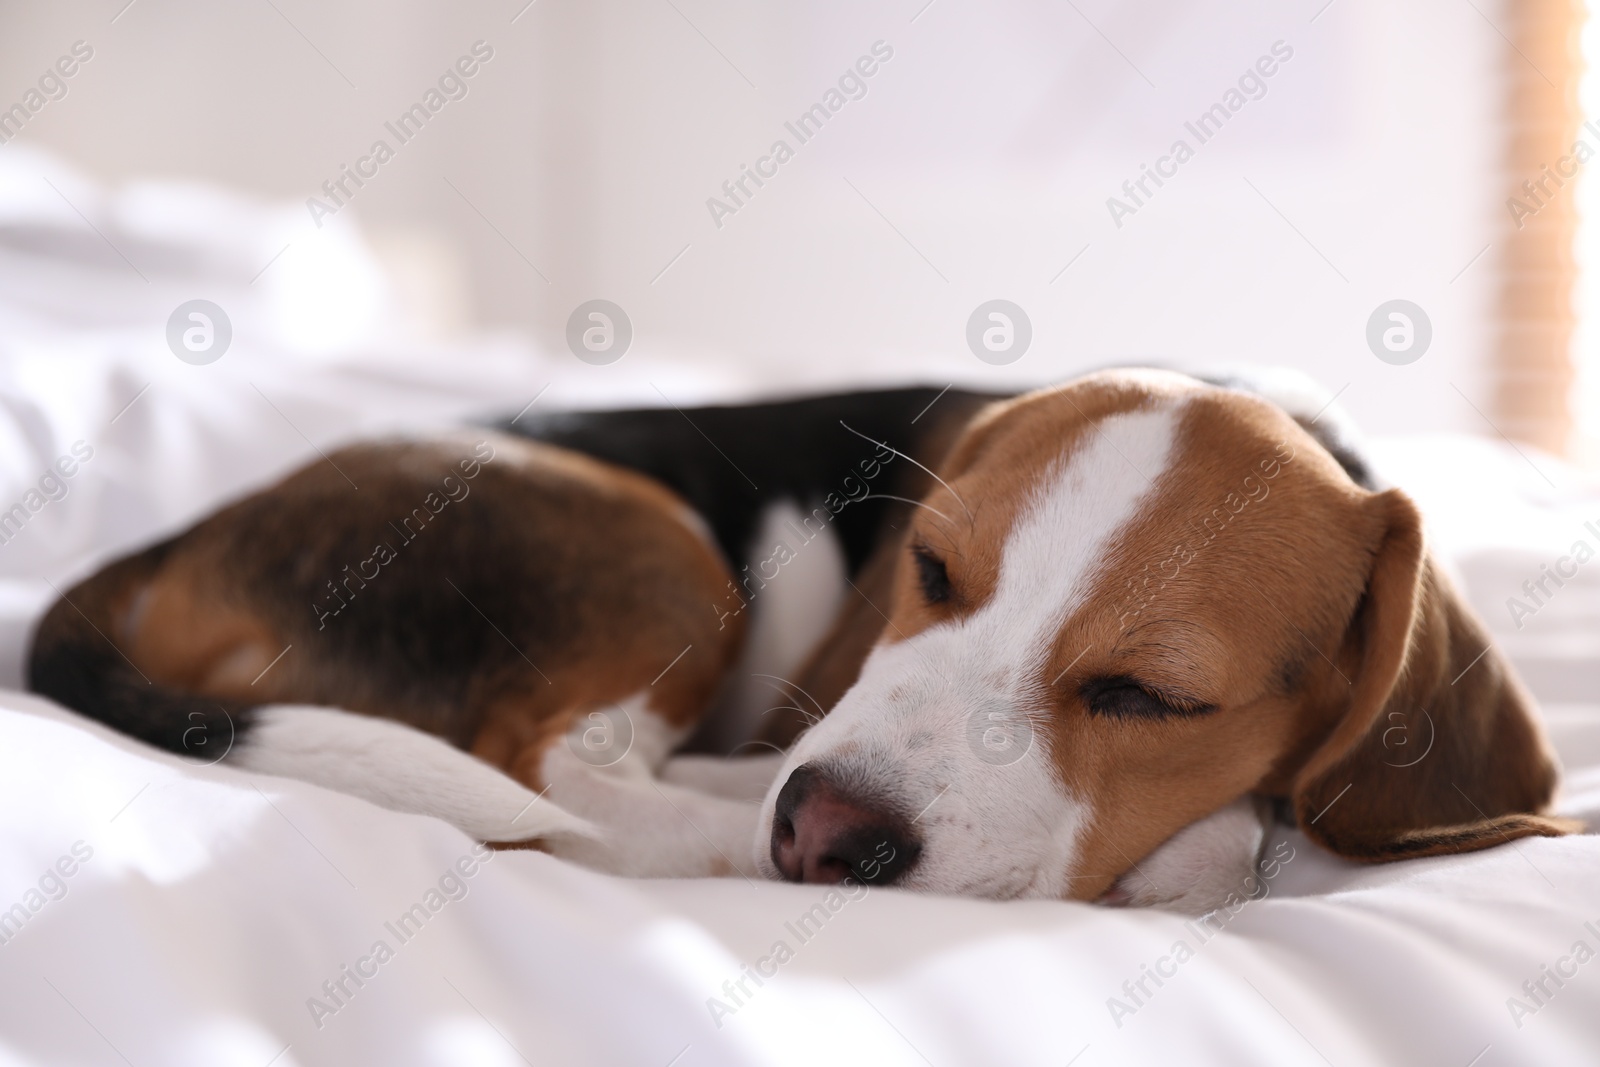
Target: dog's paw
column 1201, row 867
column 732, row 777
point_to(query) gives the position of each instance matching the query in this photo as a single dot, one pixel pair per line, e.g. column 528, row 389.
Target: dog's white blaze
column 915, row 728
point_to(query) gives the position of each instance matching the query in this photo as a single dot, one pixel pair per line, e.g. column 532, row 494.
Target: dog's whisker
column 764, row 744
column 797, row 686
column 904, row 500
column 807, row 717
column 908, row 459
column 786, row 707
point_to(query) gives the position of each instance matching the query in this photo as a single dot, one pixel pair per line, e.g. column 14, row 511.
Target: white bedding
column 206, row 907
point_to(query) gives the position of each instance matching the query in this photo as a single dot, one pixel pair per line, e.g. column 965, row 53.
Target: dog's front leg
column 732, row 777
column 650, row 826
column 1201, row 867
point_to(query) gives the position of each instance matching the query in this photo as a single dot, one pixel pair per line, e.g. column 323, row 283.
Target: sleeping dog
column 1088, row 636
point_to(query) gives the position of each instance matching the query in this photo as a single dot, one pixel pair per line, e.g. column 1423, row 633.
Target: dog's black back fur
column 731, row 462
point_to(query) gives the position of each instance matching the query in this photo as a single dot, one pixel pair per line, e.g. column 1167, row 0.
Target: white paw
column 649, row 828
column 1200, row 868
column 732, row 777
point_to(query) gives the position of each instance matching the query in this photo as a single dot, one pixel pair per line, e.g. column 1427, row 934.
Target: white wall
column 990, row 142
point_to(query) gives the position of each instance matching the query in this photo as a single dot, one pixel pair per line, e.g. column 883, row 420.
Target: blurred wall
column 977, row 165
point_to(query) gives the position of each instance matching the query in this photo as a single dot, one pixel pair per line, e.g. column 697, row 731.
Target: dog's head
column 1130, row 601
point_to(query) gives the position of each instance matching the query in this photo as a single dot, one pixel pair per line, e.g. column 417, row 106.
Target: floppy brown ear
column 1439, row 750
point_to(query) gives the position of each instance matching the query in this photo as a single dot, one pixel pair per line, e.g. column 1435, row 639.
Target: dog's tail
column 400, row 768
column 76, row 662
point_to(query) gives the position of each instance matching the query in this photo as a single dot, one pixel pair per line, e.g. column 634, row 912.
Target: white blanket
column 158, row 912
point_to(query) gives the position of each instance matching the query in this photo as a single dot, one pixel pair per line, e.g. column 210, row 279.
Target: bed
column 159, row 911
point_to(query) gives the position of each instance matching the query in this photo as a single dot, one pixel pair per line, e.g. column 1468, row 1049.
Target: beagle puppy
column 1088, row 636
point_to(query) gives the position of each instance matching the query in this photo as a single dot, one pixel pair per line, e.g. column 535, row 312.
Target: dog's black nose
column 820, row 833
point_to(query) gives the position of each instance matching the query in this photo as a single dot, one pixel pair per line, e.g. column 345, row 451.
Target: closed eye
column 1125, row 698
column 932, row 576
